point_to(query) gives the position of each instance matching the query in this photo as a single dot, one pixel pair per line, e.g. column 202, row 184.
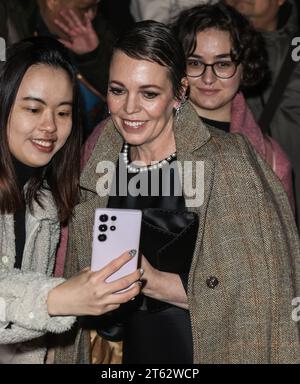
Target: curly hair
column 248, row 46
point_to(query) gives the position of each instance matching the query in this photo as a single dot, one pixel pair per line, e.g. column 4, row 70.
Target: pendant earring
column 178, row 109
column 177, row 112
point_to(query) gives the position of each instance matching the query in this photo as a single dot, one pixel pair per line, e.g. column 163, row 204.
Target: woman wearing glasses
column 223, row 55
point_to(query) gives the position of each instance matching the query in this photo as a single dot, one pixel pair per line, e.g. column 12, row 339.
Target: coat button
column 4, row 259
column 31, row 315
column 212, row 282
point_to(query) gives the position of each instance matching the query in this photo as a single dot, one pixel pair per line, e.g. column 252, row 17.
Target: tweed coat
column 247, row 240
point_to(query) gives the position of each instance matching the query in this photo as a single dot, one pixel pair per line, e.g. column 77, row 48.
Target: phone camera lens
column 113, row 218
column 103, row 228
column 103, row 218
column 102, row 237
column 112, row 228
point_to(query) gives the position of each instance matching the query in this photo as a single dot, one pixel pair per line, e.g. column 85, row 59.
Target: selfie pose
column 39, row 171
column 221, row 264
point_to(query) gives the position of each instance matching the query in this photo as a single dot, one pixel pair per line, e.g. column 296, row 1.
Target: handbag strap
column 270, row 154
column 279, row 87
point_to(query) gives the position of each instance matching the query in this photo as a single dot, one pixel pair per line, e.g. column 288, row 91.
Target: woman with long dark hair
column 40, row 139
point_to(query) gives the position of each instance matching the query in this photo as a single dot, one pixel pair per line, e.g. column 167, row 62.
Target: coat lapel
column 191, row 138
column 106, row 149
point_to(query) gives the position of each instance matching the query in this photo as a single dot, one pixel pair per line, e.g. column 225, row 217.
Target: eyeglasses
column 222, row 69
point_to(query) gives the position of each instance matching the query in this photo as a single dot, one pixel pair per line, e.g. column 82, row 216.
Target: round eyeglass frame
column 236, row 63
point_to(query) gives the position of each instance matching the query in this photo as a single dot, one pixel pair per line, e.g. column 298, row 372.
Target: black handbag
column 168, row 241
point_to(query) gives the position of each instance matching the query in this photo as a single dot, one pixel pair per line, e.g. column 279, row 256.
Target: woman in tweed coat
column 40, row 133
column 244, row 274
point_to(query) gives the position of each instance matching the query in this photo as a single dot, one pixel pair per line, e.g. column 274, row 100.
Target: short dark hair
column 248, row 46
column 156, row 42
column 62, row 173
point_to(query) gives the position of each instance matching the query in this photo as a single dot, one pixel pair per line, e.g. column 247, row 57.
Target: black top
column 164, row 335
column 23, row 173
column 223, row 125
column 156, row 192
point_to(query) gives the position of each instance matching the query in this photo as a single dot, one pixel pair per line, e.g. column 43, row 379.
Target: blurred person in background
column 163, row 11
column 81, row 28
column 278, row 21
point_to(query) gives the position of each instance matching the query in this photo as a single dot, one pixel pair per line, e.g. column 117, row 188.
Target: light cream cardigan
column 24, row 319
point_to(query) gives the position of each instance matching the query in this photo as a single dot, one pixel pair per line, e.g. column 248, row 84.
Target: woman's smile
column 133, row 125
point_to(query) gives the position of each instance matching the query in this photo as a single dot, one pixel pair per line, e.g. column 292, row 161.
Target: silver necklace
column 151, row 167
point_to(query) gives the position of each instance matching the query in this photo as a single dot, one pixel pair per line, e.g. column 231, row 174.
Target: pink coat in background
column 242, row 121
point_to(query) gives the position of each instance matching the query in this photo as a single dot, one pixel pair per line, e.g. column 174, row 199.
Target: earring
column 177, row 112
column 178, row 109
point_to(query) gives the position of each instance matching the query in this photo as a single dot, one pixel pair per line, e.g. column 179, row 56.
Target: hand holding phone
column 115, row 232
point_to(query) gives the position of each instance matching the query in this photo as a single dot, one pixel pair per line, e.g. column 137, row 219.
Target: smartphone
column 115, row 232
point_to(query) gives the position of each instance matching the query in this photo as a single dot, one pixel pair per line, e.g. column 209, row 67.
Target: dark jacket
column 247, row 239
column 285, row 126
